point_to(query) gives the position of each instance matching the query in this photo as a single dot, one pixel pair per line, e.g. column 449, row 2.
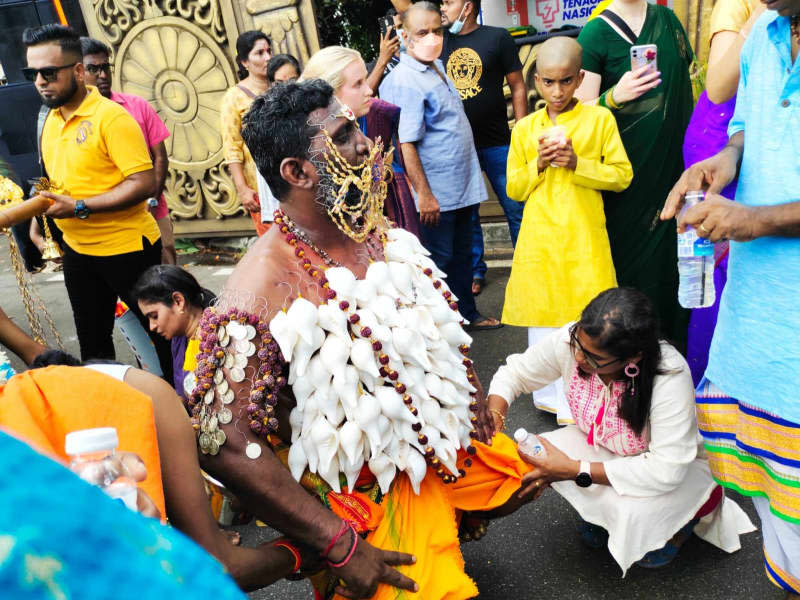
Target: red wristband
column 350, row 553
column 336, row 538
column 298, row 562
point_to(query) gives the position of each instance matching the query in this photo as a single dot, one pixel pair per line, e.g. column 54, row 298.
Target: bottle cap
column 520, row 435
column 91, row 440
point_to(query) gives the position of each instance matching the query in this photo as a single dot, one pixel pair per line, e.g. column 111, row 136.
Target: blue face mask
column 456, row 27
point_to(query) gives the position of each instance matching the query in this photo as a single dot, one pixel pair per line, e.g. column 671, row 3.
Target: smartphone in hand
column 385, row 23
column 646, row 54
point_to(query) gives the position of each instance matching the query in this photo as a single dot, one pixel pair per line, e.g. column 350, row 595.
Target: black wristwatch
column 584, row 478
column 81, row 210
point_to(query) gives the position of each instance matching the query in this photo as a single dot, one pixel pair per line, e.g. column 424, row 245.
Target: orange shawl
column 43, row 405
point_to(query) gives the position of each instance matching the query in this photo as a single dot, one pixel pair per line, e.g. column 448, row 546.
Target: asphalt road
column 535, row 553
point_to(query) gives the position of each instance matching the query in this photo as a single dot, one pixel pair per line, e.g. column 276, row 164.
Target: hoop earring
column 632, row 371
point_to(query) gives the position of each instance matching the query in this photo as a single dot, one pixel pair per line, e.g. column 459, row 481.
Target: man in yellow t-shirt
column 95, row 155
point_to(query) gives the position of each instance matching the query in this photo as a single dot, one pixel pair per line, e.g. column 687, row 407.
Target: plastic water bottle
column 695, row 263
column 528, row 445
column 92, row 452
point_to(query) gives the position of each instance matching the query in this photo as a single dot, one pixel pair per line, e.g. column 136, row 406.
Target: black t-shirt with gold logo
column 477, row 62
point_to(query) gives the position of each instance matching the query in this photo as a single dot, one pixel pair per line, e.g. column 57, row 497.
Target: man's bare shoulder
column 268, row 278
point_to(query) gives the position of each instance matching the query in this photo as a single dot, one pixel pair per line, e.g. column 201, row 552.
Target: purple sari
column 381, row 121
column 706, row 135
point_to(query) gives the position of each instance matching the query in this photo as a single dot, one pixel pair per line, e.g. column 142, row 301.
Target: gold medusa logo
column 464, row 67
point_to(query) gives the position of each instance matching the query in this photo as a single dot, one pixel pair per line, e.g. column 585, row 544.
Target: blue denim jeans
column 493, row 163
column 449, row 245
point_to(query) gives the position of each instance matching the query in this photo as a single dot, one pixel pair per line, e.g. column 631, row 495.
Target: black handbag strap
column 621, row 25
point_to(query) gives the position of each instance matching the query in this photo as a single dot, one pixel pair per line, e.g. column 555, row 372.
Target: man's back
column 477, row 62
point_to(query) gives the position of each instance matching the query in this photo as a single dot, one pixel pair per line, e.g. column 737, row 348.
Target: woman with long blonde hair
column 345, row 71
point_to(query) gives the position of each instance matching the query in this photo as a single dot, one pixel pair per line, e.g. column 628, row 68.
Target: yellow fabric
column 426, row 525
column 88, row 155
column 601, row 6
column 731, row 15
column 562, row 259
column 43, row 405
column 235, row 103
column 190, row 356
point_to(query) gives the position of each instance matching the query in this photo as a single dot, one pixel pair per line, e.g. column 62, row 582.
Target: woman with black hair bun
column 253, row 51
column 632, row 465
column 173, row 302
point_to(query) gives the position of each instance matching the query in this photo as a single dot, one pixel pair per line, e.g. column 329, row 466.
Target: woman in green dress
column 652, row 108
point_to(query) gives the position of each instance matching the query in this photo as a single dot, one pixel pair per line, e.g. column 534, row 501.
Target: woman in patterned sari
column 652, row 109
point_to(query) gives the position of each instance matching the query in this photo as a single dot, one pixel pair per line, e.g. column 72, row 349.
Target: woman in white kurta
column 635, row 445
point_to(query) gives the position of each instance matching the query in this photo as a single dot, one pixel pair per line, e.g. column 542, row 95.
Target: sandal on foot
column 477, row 286
column 489, row 323
column 663, row 556
column 593, row 535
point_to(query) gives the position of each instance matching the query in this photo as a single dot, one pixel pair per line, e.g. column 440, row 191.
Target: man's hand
column 136, row 469
column 63, row 207
column 389, row 47
column 497, row 406
column 718, row 218
column 429, row 213
column 371, row 566
column 565, row 156
column 249, row 199
column 713, row 173
column 548, row 151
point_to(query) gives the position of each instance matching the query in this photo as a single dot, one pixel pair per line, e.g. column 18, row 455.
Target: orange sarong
column 426, row 525
column 43, row 405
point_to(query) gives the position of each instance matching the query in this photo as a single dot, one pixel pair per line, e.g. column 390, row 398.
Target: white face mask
column 456, row 27
column 402, row 39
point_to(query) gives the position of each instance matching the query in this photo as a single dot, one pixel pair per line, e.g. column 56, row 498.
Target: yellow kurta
column 562, row 259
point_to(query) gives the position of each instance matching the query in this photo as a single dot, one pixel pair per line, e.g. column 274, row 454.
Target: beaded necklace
column 794, row 23
column 390, row 375
column 292, row 229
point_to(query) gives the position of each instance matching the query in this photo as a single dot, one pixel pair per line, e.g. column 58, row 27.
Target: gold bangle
column 610, row 99
column 494, row 411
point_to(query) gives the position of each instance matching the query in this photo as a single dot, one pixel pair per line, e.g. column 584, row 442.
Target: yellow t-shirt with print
column 91, row 153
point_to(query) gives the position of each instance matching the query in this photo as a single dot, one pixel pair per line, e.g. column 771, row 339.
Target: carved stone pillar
column 179, row 56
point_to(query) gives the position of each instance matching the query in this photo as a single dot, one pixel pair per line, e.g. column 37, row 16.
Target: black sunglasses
column 49, row 74
column 95, row 69
column 575, row 344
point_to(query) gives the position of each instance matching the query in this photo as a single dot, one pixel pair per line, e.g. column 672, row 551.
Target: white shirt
column 672, row 425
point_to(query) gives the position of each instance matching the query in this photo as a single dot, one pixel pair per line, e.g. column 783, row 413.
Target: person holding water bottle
column 633, row 451
column 747, row 403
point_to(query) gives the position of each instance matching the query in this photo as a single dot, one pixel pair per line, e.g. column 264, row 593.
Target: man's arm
column 160, row 165
column 428, row 205
column 401, row 6
column 388, row 47
column 16, row 340
column 132, row 190
column 519, row 94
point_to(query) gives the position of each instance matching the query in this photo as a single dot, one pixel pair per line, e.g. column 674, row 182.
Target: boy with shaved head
column 560, row 160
